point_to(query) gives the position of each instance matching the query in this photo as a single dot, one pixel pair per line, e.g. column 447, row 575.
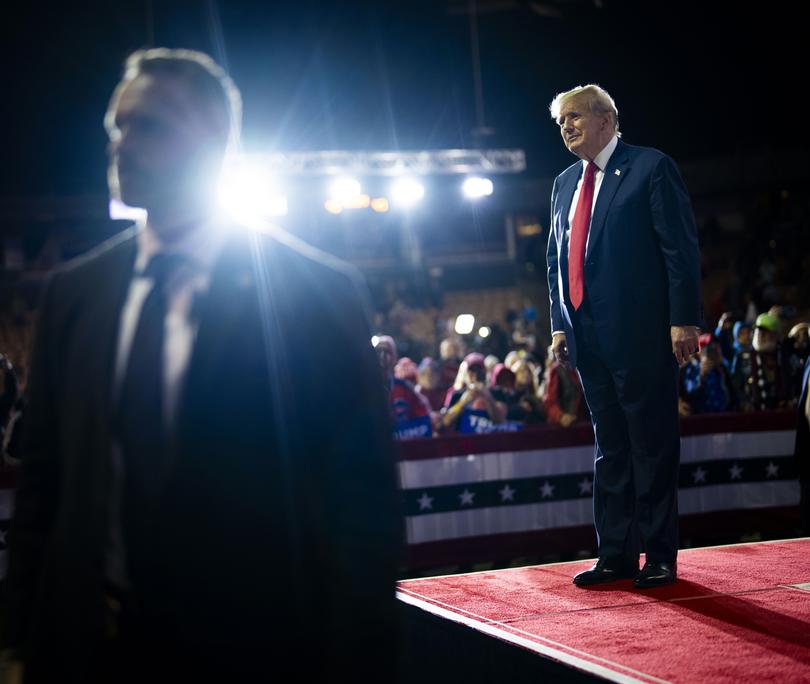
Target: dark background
column 696, row 80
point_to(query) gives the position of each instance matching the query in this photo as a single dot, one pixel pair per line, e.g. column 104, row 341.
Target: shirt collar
column 201, row 245
column 601, row 159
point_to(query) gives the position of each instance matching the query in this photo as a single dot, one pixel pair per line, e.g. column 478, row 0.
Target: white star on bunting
column 772, row 469
column 699, row 475
column 586, row 486
column 547, row 490
column 736, row 472
column 425, row 502
column 507, row 493
column 466, row 497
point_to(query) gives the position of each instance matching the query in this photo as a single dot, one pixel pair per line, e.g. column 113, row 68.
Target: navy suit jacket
column 642, row 264
column 803, row 433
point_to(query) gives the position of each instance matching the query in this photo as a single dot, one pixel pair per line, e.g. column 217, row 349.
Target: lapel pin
column 617, row 172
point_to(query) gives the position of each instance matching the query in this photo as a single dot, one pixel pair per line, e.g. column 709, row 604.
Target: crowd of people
column 746, row 367
column 741, row 367
column 474, row 393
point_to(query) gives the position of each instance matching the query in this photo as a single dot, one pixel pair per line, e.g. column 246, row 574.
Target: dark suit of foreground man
column 258, row 538
column 625, row 316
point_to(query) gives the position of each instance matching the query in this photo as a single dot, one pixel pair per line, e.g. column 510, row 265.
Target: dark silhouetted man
column 186, row 511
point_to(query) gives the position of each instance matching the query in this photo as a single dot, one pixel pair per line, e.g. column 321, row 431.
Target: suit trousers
column 634, row 409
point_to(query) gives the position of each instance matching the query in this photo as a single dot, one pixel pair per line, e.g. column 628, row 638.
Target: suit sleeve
column 551, row 261
column 36, row 496
column 362, row 499
column 674, row 224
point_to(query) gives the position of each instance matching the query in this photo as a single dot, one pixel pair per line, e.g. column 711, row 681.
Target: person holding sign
column 475, row 396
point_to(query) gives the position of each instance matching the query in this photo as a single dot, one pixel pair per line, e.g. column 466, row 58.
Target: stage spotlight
column 379, row 204
column 375, row 340
column 248, row 191
column 476, row 187
column 405, row 192
column 484, row 331
column 345, row 190
column 465, row 324
column 333, row 206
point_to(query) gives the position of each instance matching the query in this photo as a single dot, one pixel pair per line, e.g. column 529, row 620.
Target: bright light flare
column 405, row 192
column 248, row 191
column 121, row 211
column 465, row 324
column 476, row 187
column 345, row 190
column 484, row 331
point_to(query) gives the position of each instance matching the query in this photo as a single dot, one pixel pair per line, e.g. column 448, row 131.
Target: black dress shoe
column 605, row 571
column 656, row 575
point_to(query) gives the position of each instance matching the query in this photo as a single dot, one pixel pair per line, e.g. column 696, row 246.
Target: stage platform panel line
column 738, row 613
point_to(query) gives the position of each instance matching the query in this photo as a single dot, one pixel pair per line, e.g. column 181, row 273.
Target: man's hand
column 566, row 419
column 560, row 349
column 684, row 342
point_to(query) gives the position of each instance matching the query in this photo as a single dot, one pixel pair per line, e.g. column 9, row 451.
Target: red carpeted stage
column 737, row 613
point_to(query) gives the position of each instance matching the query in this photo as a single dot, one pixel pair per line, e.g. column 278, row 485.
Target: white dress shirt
column 601, row 161
column 200, row 247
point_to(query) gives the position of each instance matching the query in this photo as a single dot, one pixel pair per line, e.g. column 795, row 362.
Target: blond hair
column 595, row 97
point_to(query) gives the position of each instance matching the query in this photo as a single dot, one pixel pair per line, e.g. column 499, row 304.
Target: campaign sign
column 477, row 422
column 413, row 429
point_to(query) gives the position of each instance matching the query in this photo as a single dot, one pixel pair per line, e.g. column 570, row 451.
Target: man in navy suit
column 185, row 510
column 624, row 283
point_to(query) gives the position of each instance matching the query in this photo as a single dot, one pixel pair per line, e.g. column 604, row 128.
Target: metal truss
column 421, row 163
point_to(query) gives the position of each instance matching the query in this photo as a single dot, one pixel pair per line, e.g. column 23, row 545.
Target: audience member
column 758, row 377
column 403, row 401
column 724, row 334
column 562, row 394
column 706, row 383
column 490, row 361
column 743, row 333
column 502, row 387
column 474, row 396
column 527, row 394
column 450, row 354
column 405, row 369
column 429, row 377
column 512, row 358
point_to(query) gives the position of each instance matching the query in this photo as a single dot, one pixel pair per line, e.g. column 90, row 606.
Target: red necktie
column 579, row 238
